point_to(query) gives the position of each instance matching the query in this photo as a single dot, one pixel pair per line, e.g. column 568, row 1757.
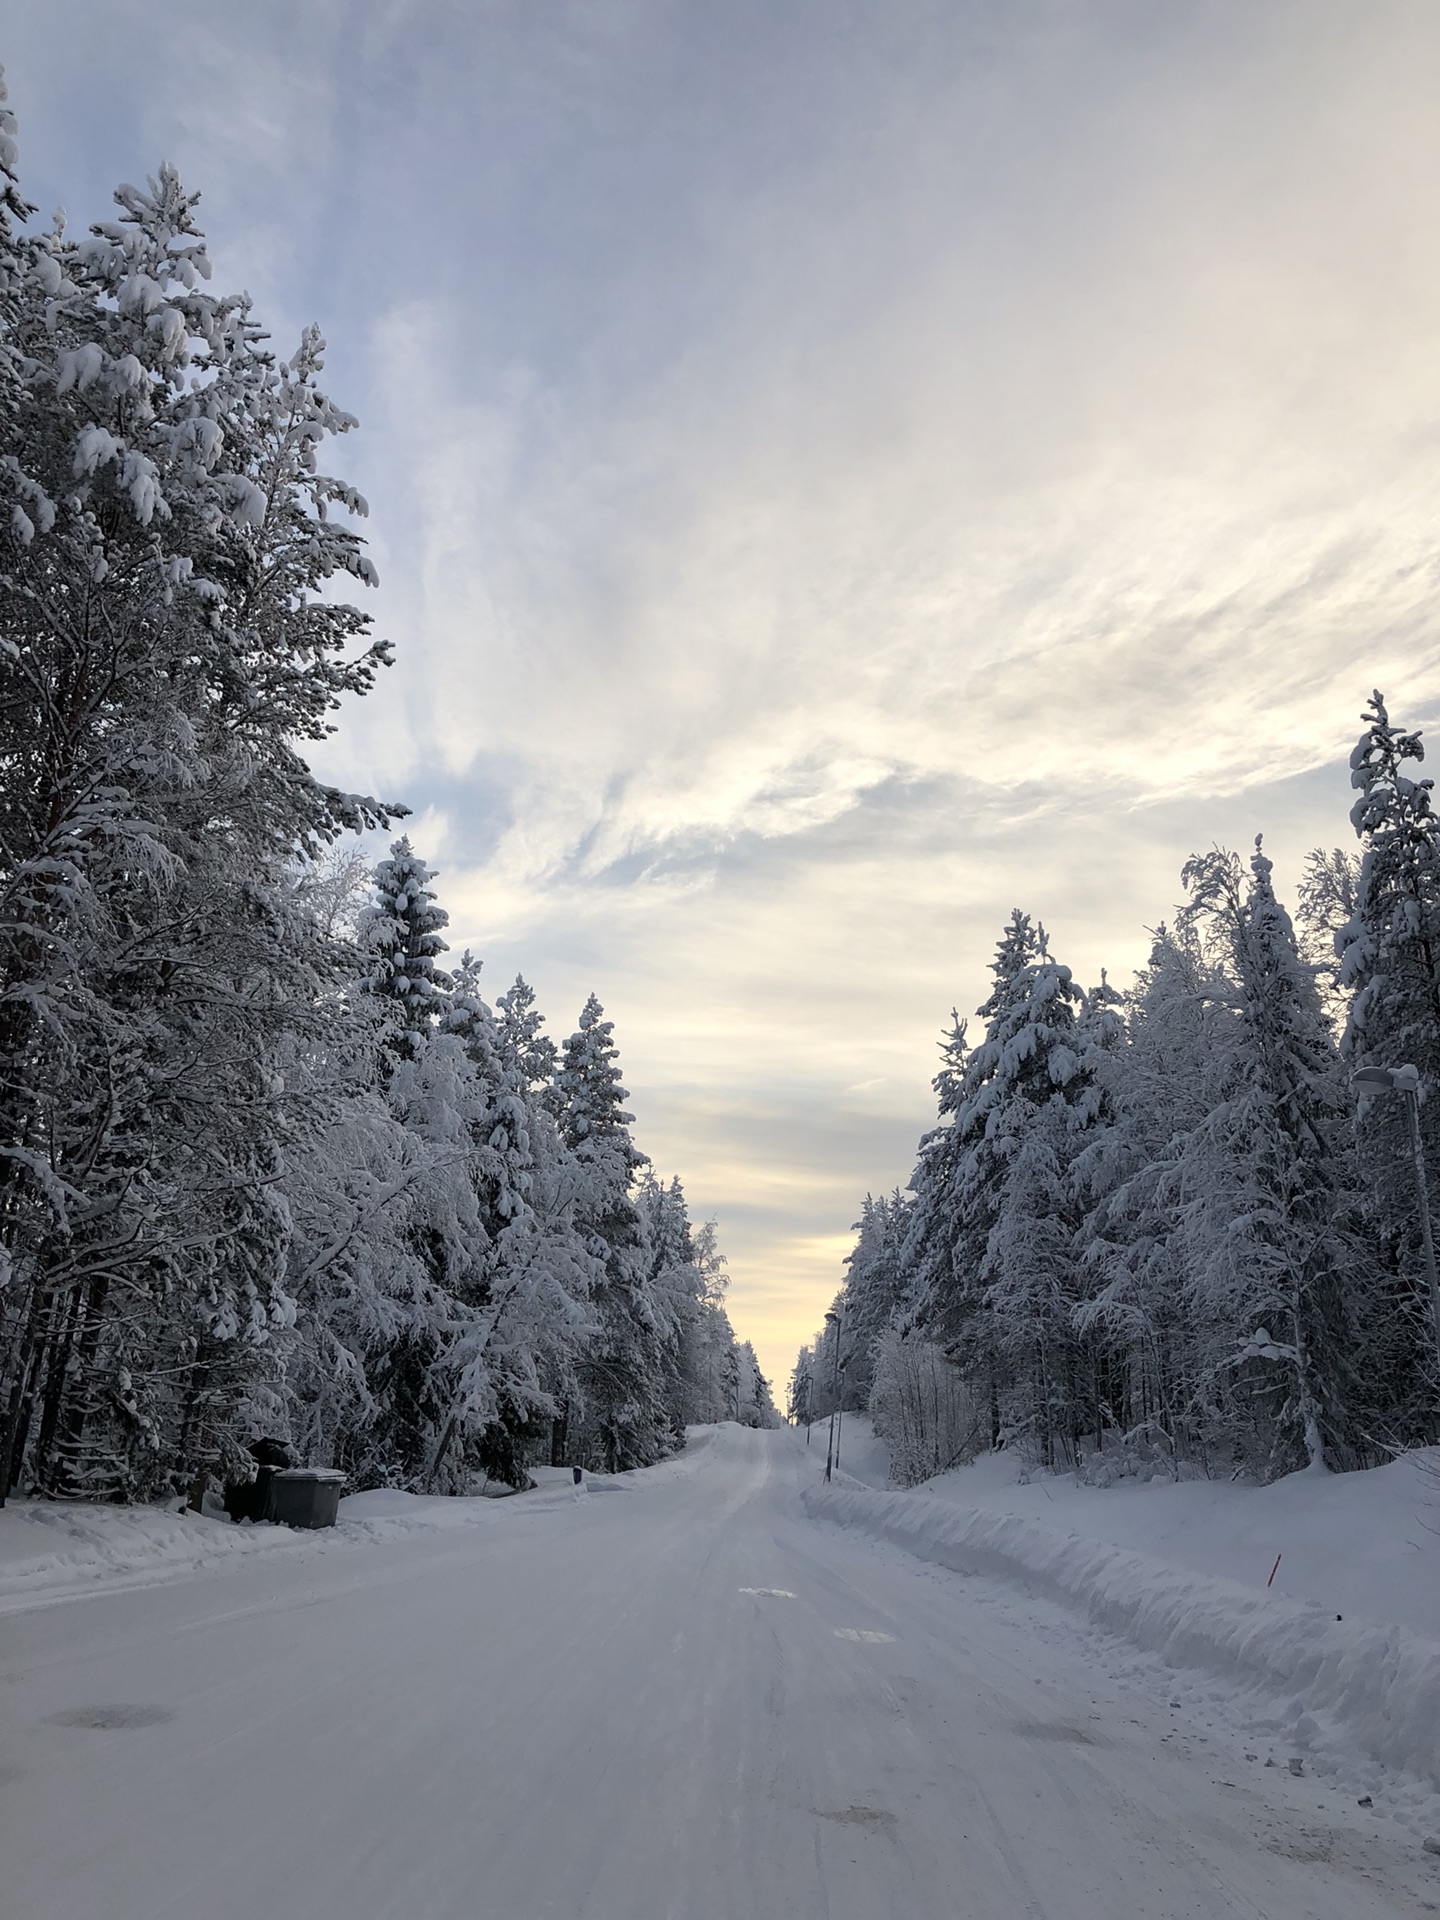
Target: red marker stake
column 1274, row 1570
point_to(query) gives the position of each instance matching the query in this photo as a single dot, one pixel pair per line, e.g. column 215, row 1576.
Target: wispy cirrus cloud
column 835, row 474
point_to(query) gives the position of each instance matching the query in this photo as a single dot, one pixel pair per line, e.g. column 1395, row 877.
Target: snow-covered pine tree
column 991, row 1254
column 829, row 1361
column 530, row 1056
column 1391, row 947
column 356, row 1200
column 674, row 1286
column 956, row 1183
column 167, row 540
column 799, row 1398
column 754, row 1406
column 430, row 1088
column 1390, row 966
column 524, row 1301
column 400, row 934
column 1163, row 1086
column 926, row 1256
column 1028, row 1118
column 625, row 1421
column 529, row 1059
column 1262, row 1191
column 712, row 1336
column 239, row 1191
column 874, row 1289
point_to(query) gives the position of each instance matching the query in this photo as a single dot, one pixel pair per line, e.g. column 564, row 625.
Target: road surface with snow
column 678, row 1699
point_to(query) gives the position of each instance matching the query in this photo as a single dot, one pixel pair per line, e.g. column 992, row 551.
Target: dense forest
column 267, row 1166
column 1163, row 1231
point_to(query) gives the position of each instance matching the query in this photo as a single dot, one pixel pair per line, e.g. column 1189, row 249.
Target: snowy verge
column 49, row 1549
column 1381, row 1685
column 1362, row 1544
column 52, row 1550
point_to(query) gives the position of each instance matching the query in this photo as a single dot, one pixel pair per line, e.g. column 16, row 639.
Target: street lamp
column 1369, row 1081
column 832, row 1450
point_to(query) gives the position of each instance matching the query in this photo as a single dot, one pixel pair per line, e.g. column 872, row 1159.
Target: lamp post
column 832, row 1450
column 1405, row 1081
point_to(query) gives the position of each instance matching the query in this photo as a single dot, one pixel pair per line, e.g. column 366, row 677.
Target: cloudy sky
column 839, row 469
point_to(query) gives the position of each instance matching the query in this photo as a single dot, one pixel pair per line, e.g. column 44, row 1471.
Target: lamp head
column 1367, row 1080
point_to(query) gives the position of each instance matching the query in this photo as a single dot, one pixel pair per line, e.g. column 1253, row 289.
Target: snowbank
column 51, row 1550
column 1360, row 1544
column 1381, row 1684
column 48, row 1548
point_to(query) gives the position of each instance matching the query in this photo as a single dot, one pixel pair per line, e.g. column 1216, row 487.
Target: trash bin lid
column 310, row 1473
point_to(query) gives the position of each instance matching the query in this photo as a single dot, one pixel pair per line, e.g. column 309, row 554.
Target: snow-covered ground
column 681, row 1699
column 1343, row 1663
column 51, row 1551
column 1366, row 1545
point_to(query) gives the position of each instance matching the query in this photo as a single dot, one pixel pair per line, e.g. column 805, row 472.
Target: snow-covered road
column 678, row 1699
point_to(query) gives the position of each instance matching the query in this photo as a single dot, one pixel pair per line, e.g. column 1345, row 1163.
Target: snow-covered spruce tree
column 954, row 1192
column 927, row 1253
column 558, row 1183
column 993, row 1243
column 430, row 1093
column 1391, row 947
column 166, row 540
column 623, row 1421
column 1390, row 966
column 711, row 1338
column 829, row 1362
column 1253, row 1199
column 467, row 1385
column 1165, row 1087
column 355, row 1201
column 1037, row 1103
column 531, row 1056
column 874, row 1289
column 799, row 1399
column 754, row 1406
column 400, row 935
column 529, row 1279
column 687, row 1283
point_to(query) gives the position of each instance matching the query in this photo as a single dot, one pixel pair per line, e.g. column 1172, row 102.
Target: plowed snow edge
column 1381, row 1683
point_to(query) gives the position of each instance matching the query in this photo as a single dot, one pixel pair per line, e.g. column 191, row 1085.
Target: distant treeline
column 1159, row 1231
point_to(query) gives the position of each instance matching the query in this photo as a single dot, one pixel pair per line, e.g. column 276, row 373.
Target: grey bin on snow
column 306, row 1496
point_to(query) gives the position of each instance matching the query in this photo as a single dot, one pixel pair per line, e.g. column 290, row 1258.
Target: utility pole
column 832, row 1450
column 1405, row 1081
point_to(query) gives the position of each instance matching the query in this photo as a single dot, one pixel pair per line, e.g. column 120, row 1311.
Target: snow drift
column 1380, row 1684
